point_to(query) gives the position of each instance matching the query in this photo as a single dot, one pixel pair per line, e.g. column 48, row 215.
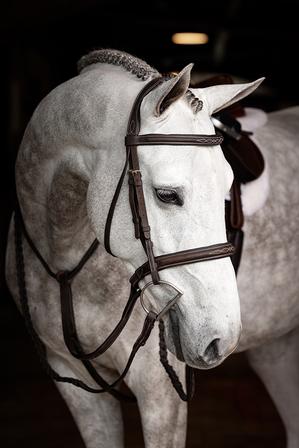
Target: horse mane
column 131, row 64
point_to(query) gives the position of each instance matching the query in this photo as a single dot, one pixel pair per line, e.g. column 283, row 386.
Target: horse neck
column 53, row 176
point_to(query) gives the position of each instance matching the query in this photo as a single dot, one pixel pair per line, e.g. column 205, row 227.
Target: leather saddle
column 243, row 155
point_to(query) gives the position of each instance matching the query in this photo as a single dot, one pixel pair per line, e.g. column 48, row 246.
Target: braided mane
column 130, row 63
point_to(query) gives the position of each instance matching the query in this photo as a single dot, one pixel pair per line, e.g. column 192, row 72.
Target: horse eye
column 169, row 196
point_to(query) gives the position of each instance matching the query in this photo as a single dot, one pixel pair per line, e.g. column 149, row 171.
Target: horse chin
column 174, row 346
column 202, row 365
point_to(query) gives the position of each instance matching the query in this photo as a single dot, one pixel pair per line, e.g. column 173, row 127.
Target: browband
column 189, row 256
column 173, row 139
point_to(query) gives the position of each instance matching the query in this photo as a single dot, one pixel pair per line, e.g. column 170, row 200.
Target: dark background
column 41, row 42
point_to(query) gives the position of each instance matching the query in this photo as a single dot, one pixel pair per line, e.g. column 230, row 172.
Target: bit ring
column 168, row 305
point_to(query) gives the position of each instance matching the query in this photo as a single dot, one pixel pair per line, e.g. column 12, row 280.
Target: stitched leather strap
column 83, row 260
column 133, row 127
column 113, row 205
column 69, row 323
column 196, row 255
column 174, row 139
column 39, row 345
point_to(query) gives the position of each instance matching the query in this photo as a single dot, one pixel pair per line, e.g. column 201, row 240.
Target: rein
column 152, row 266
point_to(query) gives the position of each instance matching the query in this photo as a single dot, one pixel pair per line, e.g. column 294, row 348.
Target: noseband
column 151, row 267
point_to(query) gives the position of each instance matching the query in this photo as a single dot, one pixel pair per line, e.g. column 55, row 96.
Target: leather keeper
column 136, row 176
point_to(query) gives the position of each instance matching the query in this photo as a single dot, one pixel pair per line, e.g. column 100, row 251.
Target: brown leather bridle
column 152, row 266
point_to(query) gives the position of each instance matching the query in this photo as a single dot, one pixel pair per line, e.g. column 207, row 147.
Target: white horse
column 67, row 168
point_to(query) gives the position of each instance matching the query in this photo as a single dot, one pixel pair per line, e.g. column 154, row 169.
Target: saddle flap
column 245, row 158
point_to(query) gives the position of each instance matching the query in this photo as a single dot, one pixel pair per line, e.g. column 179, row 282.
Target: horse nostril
column 212, row 351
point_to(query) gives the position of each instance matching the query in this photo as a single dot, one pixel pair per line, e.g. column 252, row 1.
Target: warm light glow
column 190, row 38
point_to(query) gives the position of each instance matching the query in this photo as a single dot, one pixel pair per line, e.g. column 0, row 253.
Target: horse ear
column 222, row 96
column 169, row 91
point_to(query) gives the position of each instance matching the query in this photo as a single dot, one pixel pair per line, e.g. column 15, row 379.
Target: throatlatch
column 151, row 267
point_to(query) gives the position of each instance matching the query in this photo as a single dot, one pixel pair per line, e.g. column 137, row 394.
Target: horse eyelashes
column 169, row 196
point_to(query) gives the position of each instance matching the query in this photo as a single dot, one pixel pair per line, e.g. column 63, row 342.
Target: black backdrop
column 41, row 42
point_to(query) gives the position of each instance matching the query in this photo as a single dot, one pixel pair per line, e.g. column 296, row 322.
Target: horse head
column 185, row 190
